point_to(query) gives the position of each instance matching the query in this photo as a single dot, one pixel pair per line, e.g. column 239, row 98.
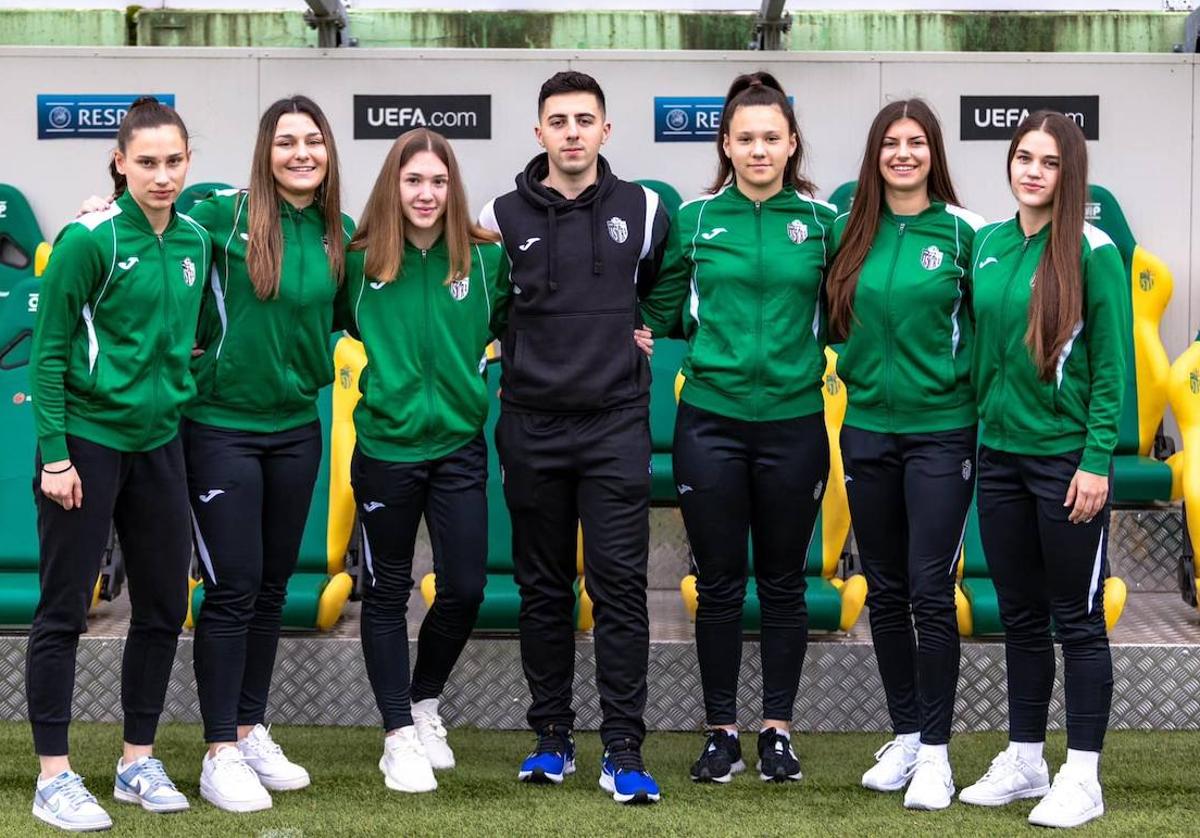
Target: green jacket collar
column 133, row 211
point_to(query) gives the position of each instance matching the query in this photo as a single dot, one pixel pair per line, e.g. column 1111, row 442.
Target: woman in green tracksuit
column 116, row 318
column 426, row 292
column 898, row 300
column 252, row 437
column 751, row 454
column 1052, row 310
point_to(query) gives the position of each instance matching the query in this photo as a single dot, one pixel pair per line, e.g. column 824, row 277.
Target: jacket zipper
column 754, row 394
column 887, row 322
column 426, row 361
column 163, row 293
column 1003, row 332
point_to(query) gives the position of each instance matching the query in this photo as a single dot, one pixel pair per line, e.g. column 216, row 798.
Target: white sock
column 1085, row 762
column 939, row 752
column 910, row 741
column 1030, row 752
column 426, row 705
column 786, row 734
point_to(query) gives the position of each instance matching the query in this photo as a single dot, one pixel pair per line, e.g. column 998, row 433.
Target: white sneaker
column 893, row 768
column 932, row 785
column 432, row 733
column 275, row 771
column 145, row 782
column 1074, row 799
column 228, row 783
column 404, row 764
column 63, row 801
column 1008, row 778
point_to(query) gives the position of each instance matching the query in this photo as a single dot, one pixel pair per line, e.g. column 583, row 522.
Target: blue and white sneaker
column 63, row 801
column 146, row 783
column 552, row 759
column 624, row 776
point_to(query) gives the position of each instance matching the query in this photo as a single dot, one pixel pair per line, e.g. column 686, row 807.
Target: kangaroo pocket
column 573, row 361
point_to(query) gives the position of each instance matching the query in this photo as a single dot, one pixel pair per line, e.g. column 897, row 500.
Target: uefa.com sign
column 454, row 117
column 997, row 117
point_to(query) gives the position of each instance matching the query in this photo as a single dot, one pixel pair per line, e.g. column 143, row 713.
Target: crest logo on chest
column 459, row 288
column 797, row 231
column 189, row 271
column 618, row 229
column 931, row 258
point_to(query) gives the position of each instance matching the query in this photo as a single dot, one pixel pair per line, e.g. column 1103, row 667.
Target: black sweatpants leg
column 765, row 481
column 909, row 495
column 593, row 469
column 391, row 499
column 144, row 495
column 250, row 495
column 1047, row 568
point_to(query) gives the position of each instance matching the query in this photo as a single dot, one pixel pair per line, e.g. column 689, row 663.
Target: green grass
column 1151, row 782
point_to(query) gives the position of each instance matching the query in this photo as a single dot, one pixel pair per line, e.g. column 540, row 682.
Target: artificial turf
column 1151, row 784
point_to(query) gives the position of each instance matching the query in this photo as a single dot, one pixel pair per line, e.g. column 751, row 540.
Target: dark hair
column 863, row 222
column 1057, row 299
column 383, row 228
column 570, row 81
column 145, row 112
column 760, row 88
column 264, row 252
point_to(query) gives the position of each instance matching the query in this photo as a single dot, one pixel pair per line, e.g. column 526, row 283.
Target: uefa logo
column 59, row 117
column 677, row 119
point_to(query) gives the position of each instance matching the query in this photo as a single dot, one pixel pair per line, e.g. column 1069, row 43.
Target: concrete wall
column 837, row 30
column 1145, row 154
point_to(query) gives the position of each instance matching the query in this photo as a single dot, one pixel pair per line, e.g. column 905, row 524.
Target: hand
column 64, row 488
column 1086, row 494
column 94, row 204
column 197, row 350
column 644, row 340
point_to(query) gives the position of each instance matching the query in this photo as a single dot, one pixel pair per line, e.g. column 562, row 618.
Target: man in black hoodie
column 574, row 435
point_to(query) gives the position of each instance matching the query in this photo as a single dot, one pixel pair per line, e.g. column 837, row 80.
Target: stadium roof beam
column 329, row 18
column 770, row 25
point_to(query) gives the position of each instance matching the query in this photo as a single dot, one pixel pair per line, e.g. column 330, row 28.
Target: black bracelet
column 60, row 471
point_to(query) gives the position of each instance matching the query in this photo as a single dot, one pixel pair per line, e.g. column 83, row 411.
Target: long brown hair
column 863, row 223
column 382, row 231
column 1057, row 299
column 145, row 112
column 264, row 251
column 760, row 88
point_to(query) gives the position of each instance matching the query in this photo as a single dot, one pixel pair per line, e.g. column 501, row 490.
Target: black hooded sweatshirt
column 579, row 268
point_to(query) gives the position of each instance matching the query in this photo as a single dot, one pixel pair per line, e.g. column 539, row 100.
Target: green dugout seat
column 20, row 237
column 843, row 196
column 665, row 365
column 19, row 588
column 667, row 193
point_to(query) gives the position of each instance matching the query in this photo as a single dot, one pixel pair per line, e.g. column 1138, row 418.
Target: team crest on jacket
column 459, row 288
column 797, row 231
column 189, row 271
column 966, row 469
column 931, row 258
column 618, row 229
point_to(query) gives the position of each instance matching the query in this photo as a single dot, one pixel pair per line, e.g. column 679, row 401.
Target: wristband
column 60, row 471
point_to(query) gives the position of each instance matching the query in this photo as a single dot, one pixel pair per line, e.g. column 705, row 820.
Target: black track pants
column 1047, row 568
column 250, row 495
column 391, row 498
column 740, row 482
column 560, row 471
column 909, row 496
column 145, row 496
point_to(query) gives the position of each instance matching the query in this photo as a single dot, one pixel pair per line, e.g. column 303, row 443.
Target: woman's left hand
column 644, row 340
column 1086, row 495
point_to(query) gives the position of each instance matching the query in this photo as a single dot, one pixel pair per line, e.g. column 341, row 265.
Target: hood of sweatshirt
column 554, row 204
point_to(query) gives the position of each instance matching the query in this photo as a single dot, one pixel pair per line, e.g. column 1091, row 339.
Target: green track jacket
column 264, row 361
column 907, row 359
column 747, row 281
column 1081, row 408
column 424, row 392
column 113, row 339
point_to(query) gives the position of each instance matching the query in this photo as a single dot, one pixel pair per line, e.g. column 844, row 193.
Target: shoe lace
column 888, row 747
column 154, row 773
column 711, row 743
column 435, row 723
column 75, row 792
column 552, row 740
column 627, row 756
column 231, row 759
column 263, row 745
column 1003, row 765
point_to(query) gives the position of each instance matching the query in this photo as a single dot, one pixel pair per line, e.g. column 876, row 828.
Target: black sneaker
column 720, row 759
column 777, row 761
